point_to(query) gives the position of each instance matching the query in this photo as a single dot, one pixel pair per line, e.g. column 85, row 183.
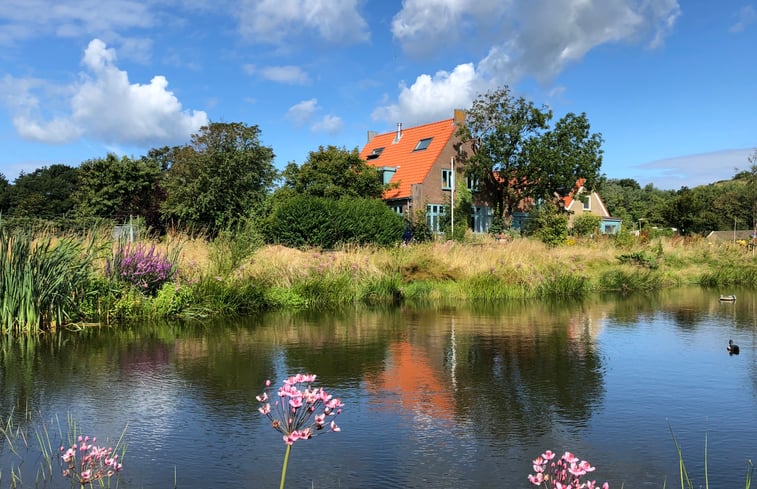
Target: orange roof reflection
column 420, row 388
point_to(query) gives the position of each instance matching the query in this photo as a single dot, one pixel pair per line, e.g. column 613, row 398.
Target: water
column 446, row 397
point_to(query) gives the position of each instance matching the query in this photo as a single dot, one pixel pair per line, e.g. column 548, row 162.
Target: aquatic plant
column 300, row 412
column 85, row 463
column 683, row 473
column 41, row 279
column 147, row 268
column 564, row 473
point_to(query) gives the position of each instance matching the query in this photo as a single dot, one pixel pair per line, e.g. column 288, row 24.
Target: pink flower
column 302, row 410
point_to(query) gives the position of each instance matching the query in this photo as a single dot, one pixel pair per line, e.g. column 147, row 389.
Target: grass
column 684, row 478
column 229, row 276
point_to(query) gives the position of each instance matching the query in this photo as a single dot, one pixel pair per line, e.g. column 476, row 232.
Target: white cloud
column 330, row 124
column 25, row 19
column 746, row 16
column 293, row 75
column 432, row 98
column 275, row 21
column 302, row 112
column 531, row 38
column 696, row 169
column 105, row 106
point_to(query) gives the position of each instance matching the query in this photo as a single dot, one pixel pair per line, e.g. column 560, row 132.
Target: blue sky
column 671, row 86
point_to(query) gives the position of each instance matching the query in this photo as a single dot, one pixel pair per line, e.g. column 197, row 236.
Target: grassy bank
column 190, row 277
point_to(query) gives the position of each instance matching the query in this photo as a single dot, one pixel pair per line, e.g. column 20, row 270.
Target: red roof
column 412, row 166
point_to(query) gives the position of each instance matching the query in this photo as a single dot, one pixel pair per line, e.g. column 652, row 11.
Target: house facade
column 419, row 164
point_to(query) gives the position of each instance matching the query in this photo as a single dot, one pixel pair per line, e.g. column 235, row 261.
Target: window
column 434, row 212
column 471, row 183
column 482, row 218
column 387, row 172
column 422, row 144
column 587, row 203
column 397, row 208
column 448, row 179
column 375, row 153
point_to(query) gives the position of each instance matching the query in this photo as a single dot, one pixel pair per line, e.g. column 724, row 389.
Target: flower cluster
column 564, row 473
column 146, row 268
column 301, row 411
column 84, row 462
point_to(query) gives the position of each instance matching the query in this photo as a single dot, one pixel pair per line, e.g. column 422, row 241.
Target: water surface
column 442, row 397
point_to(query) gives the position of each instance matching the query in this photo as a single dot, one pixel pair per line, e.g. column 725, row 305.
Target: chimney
column 399, row 133
column 459, row 117
column 371, row 135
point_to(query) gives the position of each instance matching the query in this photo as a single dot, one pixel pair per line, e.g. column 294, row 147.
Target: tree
column 46, row 192
column 496, row 131
column 222, row 175
column 117, row 188
column 508, row 147
column 4, row 194
column 333, row 173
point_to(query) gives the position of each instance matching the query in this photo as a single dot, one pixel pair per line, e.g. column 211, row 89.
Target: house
column 419, row 165
column 746, row 235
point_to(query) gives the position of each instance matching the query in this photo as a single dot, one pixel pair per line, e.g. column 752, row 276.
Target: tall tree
column 333, row 173
column 222, row 175
column 116, row 188
column 46, row 192
column 497, row 129
column 510, row 149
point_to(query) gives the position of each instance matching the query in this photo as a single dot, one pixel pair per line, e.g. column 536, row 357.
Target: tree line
column 225, row 176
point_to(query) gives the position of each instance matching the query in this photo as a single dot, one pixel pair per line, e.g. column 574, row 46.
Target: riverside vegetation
column 49, row 281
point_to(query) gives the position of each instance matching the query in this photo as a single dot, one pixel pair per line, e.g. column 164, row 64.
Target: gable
column 411, row 157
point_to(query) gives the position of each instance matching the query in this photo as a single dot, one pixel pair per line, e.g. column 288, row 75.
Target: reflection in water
column 442, row 397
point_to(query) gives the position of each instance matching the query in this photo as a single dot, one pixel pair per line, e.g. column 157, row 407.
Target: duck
column 733, row 348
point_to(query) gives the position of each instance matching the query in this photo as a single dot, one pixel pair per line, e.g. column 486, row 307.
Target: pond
column 440, row 397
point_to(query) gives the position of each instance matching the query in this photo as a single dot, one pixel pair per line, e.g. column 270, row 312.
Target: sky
column 671, row 86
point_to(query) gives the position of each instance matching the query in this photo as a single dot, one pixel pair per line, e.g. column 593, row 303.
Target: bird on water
column 733, row 348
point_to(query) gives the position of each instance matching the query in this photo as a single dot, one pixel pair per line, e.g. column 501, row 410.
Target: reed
column 41, row 280
column 685, row 480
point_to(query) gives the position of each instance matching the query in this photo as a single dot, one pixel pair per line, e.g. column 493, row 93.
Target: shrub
column 585, row 225
column 305, row 221
column 144, row 267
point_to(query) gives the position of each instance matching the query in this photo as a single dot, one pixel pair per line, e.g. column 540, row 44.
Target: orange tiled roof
column 412, row 166
column 568, row 199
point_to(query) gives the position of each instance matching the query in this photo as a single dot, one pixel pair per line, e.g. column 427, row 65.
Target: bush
column 585, row 225
column 145, row 268
column 305, row 221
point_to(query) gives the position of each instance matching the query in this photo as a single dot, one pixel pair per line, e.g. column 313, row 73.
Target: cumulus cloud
column 302, row 112
column 274, row 21
column 432, row 97
column 104, row 105
column 528, row 38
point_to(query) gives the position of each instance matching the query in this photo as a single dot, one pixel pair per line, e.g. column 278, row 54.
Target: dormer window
column 422, row 144
column 375, row 153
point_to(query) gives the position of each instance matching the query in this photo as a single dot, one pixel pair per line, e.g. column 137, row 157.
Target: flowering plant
column 300, row 412
column 85, row 463
column 146, row 268
column 565, row 473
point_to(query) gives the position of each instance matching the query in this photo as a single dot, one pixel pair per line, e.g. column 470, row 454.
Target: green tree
column 117, row 188
column 509, row 148
column 497, row 129
column 4, row 194
column 549, row 223
column 221, row 176
column 333, row 173
column 46, row 192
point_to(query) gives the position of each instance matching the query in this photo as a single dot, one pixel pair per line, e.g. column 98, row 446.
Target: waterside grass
column 208, row 283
